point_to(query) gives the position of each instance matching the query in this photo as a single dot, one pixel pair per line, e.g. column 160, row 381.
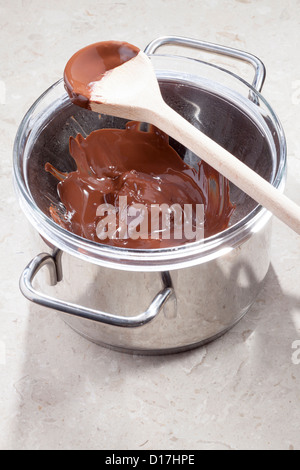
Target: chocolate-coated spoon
column 118, row 79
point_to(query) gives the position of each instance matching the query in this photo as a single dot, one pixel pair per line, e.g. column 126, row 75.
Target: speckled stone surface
column 59, row 391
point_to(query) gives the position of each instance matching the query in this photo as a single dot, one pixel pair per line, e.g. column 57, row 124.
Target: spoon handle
column 221, row 160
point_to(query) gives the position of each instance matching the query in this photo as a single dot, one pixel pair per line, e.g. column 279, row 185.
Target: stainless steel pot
column 168, row 300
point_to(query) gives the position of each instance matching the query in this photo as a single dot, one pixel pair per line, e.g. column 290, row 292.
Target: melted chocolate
column 90, row 64
column 114, row 163
column 143, row 167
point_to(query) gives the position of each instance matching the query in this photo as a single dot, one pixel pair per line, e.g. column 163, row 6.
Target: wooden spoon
column 131, row 91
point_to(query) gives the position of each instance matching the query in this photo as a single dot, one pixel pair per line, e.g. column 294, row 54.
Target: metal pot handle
column 260, row 70
column 45, row 259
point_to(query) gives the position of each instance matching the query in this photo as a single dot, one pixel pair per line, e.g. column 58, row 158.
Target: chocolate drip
column 90, row 64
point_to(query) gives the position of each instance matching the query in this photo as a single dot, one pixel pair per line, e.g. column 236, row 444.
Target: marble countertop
column 59, row 391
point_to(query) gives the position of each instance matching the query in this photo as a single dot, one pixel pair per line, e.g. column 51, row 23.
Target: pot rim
column 155, row 259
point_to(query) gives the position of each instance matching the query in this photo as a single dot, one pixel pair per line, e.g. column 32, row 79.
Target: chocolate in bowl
column 161, row 300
